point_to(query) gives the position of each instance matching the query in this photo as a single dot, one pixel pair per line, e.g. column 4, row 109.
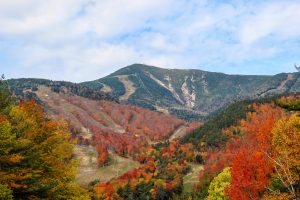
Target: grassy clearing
column 191, row 178
column 88, row 170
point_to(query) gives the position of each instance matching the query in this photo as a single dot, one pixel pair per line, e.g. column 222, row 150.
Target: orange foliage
column 168, row 176
column 246, row 153
column 251, row 168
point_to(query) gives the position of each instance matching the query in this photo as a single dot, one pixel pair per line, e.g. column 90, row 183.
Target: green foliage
column 94, row 182
column 210, row 132
column 218, row 185
column 162, row 193
column 5, row 97
column 203, row 191
column 5, row 192
column 118, row 88
column 141, row 192
column 186, row 114
column 199, row 159
column 292, row 104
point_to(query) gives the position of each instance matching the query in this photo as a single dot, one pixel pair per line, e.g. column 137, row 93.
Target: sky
column 81, row 40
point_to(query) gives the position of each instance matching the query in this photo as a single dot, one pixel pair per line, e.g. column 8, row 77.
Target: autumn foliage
column 102, row 158
column 251, row 167
column 261, row 150
column 159, row 176
column 36, row 156
column 120, row 128
column 142, row 122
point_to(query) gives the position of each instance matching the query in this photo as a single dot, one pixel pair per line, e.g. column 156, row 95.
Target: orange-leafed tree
column 251, row 167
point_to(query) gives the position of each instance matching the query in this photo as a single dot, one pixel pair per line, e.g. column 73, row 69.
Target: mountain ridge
column 189, row 93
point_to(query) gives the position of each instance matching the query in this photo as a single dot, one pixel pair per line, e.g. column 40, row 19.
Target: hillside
column 189, row 94
column 122, row 128
column 105, row 129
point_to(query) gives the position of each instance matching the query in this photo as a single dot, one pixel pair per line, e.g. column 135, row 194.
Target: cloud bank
column 79, row 40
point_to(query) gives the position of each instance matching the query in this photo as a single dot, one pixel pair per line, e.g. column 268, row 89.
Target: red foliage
column 246, row 154
column 121, row 128
column 102, row 155
column 140, row 121
column 251, row 168
column 192, row 126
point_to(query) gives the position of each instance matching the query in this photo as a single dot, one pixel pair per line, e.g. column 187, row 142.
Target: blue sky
column 80, row 40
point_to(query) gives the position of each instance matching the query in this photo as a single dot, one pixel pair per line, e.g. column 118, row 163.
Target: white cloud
column 34, row 16
column 81, row 40
column 280, row 19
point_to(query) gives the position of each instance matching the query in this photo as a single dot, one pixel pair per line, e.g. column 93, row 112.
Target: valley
column 131, row 133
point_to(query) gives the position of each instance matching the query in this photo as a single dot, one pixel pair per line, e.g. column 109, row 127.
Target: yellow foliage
column 286, row 137
column 274, row 196
column 286, row 158
column 216, row 190
column 36, row 156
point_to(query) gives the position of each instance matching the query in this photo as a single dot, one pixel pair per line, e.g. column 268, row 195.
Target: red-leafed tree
column 102, row 155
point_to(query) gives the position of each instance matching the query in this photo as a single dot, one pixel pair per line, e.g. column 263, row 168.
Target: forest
column 258, row 159
column 250, row 150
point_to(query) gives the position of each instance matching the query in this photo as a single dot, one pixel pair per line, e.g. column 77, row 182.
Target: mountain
column 189, row 94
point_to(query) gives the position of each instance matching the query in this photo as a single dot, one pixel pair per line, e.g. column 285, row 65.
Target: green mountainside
column 189, row 94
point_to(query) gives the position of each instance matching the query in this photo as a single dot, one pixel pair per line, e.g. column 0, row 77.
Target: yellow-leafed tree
column 217, row 187
column 286, row 145
column 36, row 156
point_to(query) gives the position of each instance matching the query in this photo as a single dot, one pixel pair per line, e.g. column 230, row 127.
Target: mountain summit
column 189, row 94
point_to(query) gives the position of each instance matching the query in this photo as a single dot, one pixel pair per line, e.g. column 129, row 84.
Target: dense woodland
column 251, row 150
column 257, row 159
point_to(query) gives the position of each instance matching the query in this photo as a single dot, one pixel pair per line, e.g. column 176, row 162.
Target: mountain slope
column 189, row 94
column 122, row 128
